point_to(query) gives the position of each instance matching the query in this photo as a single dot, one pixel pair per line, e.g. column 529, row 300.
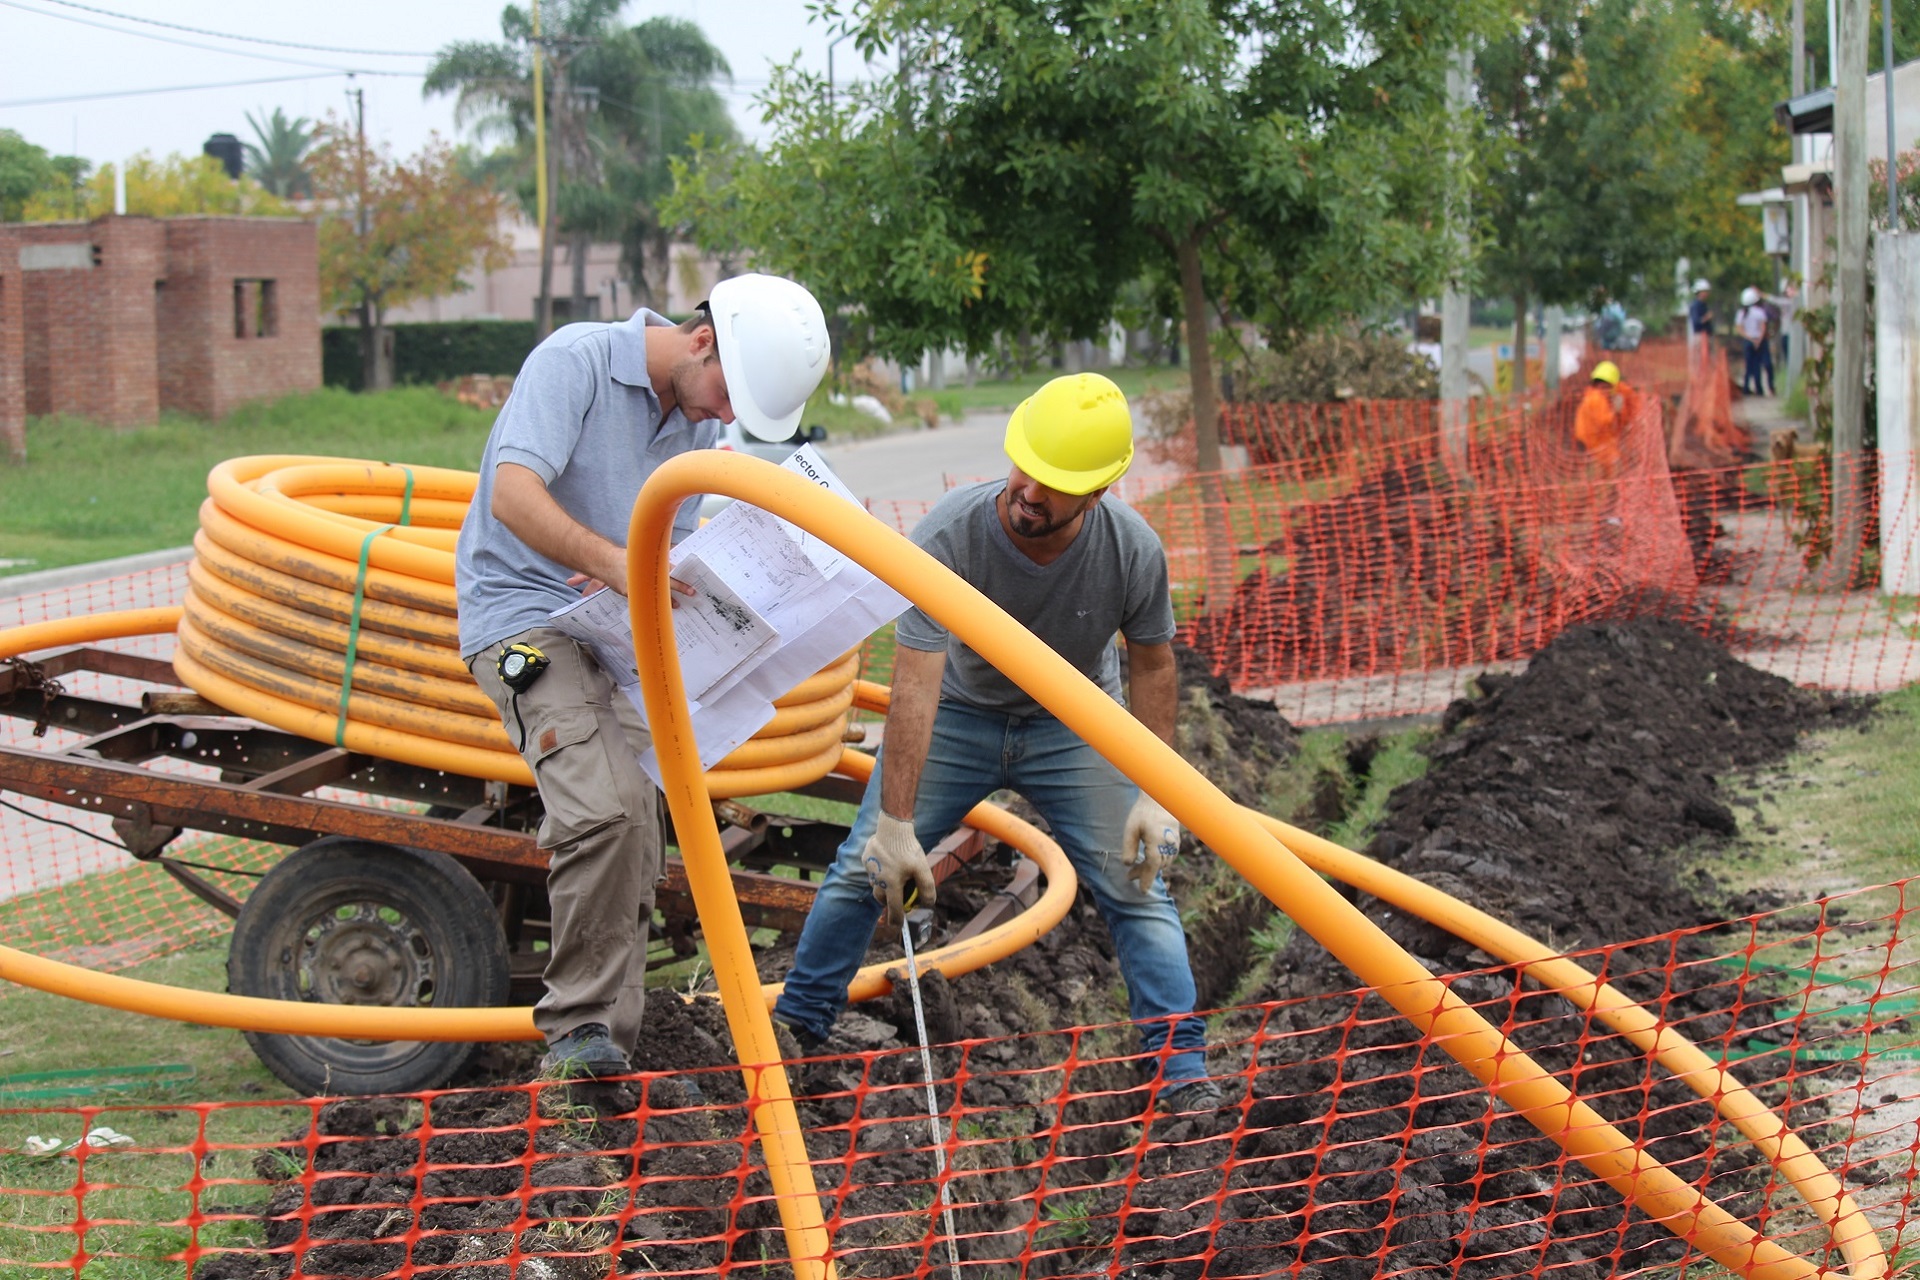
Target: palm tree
column 620, row 101
column 278, row 162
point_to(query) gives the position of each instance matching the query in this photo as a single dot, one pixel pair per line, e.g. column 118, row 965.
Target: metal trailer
column 443, row 904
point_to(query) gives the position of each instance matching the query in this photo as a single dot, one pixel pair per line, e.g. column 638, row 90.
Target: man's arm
column 1153, row 692
column 521, row 503
column 914, row 701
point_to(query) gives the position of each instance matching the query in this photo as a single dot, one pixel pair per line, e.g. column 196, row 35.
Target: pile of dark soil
column 1558, row 800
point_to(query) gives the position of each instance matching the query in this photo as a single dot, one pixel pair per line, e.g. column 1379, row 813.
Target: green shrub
column 430, row 353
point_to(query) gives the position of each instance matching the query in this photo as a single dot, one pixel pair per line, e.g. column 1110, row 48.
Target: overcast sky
column 97, row 63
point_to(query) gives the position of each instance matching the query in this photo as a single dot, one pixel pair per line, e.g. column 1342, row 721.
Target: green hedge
column 430, row 353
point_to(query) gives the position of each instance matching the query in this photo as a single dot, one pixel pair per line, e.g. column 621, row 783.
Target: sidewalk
column 1765, row 417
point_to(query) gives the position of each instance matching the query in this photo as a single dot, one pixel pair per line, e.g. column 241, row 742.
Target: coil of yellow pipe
column 270, row 608
column 377, row 1023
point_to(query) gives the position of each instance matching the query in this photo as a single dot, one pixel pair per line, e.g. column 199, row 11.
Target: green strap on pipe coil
column 406, row 497
column 353, row 624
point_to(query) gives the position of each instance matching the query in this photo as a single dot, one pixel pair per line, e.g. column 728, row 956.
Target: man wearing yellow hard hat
column 1076, row 567
column 1603, row 412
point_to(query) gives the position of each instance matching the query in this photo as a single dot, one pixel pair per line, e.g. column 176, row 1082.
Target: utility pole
column 1850, row 291
column 359, row 96
column 376, row 371
column 1799, row 74
column 1893, row 148
column 1455, row 305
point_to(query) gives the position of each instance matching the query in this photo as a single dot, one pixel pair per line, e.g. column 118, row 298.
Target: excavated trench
column 1578, row 800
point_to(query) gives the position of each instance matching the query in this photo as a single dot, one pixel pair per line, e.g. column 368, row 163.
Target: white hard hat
column 1749, row 296
column 774, row 350
column 1701, row 285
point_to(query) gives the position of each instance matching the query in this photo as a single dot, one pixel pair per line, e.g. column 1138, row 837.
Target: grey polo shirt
column 583, row 416
column 1111, row 580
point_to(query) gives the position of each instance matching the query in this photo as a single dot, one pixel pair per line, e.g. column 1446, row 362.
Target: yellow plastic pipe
column 230, row 485
column 1237, row 835
column 57, row 633
column 1734, row 1102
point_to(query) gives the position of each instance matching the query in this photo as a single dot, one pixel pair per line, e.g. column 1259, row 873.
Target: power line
column 180, row 88
column 190, row 44
column 227, row 35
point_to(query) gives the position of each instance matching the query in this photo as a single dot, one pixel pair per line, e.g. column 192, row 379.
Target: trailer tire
column 345, row 921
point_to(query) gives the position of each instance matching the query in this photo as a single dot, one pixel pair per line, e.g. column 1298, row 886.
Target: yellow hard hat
column 1073, row 435
column 1608, row 372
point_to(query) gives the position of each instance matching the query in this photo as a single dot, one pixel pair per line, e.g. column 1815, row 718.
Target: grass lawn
column 1837, row 817
column 88, row 492
column 136, row 1193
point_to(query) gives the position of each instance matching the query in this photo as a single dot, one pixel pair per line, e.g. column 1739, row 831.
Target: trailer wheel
column 343, row 921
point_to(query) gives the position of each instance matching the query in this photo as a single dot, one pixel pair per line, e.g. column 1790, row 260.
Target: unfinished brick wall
column 13, row 355
column 89, row 316
column 122, row 317
column 240, row 313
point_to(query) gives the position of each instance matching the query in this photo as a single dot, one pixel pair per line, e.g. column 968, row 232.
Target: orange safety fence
column 1350, row 1145
column 68, row 889
column 1361, row 566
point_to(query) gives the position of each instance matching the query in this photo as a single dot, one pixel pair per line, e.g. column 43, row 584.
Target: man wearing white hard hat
column 1754, row 325
column 596, row 408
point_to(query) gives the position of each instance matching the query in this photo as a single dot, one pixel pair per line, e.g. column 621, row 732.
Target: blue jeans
column 1084, row 800
column 1759, row 360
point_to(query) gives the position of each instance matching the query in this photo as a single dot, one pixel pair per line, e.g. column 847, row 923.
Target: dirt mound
column 1557, row 800
column 1560, row 798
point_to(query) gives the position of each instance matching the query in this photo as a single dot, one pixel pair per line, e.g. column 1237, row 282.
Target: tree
column 394, row 231
column 1586, row 151
column 1032, row 159
column 276, row 160
column 621, row 101
column 28, row 171
column 158, row 189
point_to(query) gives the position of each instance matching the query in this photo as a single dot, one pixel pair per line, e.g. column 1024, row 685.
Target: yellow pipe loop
column 375, row 645
column 1239, row 836
column 232, row 488
column 273, row 597
column 333, row 604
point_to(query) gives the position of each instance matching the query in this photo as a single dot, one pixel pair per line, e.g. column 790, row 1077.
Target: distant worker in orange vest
column 1603, row 413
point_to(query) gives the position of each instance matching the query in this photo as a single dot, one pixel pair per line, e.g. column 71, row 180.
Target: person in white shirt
column 1753, row 324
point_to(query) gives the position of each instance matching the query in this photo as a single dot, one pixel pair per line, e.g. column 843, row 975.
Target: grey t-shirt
column 1112, row 579
column 583, row 416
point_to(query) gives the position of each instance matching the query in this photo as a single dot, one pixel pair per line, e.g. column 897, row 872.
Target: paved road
column 915, row 466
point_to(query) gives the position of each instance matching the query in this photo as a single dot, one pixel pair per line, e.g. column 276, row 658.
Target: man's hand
column 1151, row 839
column 590, row 585
column 893, row 856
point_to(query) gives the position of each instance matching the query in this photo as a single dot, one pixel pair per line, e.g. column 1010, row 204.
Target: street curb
column 73, row 575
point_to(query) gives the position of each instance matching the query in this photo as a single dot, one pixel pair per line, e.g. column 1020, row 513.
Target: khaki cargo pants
column 582, row 739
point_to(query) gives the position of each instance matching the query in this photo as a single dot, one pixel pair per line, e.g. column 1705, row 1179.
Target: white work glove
column 1151, row 839
column 893, row 856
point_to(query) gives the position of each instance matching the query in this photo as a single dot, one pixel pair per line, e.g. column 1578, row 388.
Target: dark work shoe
column 796, row 1041
column 1188, row 1097
column 587, row 1051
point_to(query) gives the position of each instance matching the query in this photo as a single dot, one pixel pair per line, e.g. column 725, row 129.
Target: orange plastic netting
column 1351, row 1146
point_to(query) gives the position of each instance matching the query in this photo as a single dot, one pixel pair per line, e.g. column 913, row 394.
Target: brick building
column 121, row 317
